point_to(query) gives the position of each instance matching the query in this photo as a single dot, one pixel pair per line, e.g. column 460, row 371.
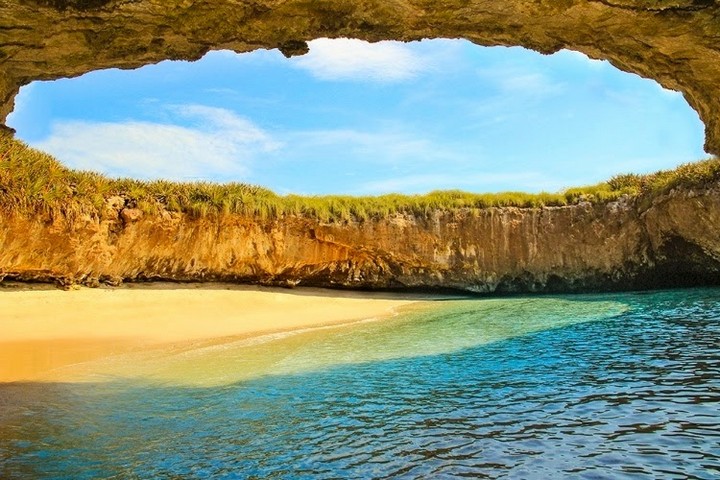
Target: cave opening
column 352, row 117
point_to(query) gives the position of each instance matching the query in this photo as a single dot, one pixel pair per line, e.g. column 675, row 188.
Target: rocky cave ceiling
column 675, row 42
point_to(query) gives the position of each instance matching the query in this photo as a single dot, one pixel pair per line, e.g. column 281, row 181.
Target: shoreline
column 43, row 330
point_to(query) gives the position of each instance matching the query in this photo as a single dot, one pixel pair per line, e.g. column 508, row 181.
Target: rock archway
column 675, row 42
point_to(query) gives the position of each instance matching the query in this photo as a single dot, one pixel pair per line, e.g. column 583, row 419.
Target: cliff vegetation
column 34, row 182
column 633, row 231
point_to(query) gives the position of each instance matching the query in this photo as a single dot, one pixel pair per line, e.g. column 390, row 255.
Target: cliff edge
column 632, row 232
column 619, row 245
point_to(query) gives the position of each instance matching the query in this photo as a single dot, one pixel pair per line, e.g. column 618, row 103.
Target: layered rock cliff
column 676, row 42
column 626, row 244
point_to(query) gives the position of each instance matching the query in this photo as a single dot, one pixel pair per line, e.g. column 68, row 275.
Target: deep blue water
column 591, row 386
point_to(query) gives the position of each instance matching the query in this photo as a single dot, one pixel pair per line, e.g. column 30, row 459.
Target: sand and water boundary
column 44, row 329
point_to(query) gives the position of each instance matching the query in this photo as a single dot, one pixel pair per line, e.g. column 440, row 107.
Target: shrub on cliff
column 32, row 182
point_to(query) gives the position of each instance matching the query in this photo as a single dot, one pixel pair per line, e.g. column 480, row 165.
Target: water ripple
column 632, row 394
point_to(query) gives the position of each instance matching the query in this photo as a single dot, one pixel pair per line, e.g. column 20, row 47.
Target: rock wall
column 676, row 42
column 620, row 245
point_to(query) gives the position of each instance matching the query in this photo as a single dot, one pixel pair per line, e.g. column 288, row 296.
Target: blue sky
column 358, row 118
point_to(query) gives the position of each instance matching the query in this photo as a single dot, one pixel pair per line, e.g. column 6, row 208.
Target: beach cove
column 600, row 385
column 44, row 330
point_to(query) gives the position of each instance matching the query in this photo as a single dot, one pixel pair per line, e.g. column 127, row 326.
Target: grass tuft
column 34, row 182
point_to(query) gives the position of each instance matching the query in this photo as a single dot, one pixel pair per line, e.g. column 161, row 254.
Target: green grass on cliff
column 34, row 182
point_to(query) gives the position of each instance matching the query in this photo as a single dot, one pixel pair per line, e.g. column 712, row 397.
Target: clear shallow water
column 429, row 329
column 611, row 386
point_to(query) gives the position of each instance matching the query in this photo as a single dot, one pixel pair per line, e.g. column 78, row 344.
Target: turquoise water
column 591, row 386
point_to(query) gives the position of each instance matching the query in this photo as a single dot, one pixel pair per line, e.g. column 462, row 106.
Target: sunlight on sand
column 42, row 330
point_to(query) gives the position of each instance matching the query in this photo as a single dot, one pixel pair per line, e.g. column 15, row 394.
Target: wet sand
column 44, row 330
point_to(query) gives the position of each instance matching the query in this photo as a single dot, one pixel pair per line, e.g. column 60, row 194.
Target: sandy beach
column 43, row 330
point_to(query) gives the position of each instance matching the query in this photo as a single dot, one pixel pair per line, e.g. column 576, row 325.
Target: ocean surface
column 589, row 386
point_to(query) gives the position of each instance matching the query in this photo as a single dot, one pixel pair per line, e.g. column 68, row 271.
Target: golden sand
column 44, row 330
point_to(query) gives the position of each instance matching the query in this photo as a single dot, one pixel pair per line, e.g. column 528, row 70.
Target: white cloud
column 387, row 147
column 583, row 58
column 218, row 144
column 529, row 83
column 512, row 80
column 477, row 182
column 669, row 93
column 351, row 59
column 22, row 99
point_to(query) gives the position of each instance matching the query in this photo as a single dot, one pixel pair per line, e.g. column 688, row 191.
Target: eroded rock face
column 675, row 42
column 622, row 245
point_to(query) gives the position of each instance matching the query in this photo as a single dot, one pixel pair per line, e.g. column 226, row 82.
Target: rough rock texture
column 621, row 245
column 676, row 42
